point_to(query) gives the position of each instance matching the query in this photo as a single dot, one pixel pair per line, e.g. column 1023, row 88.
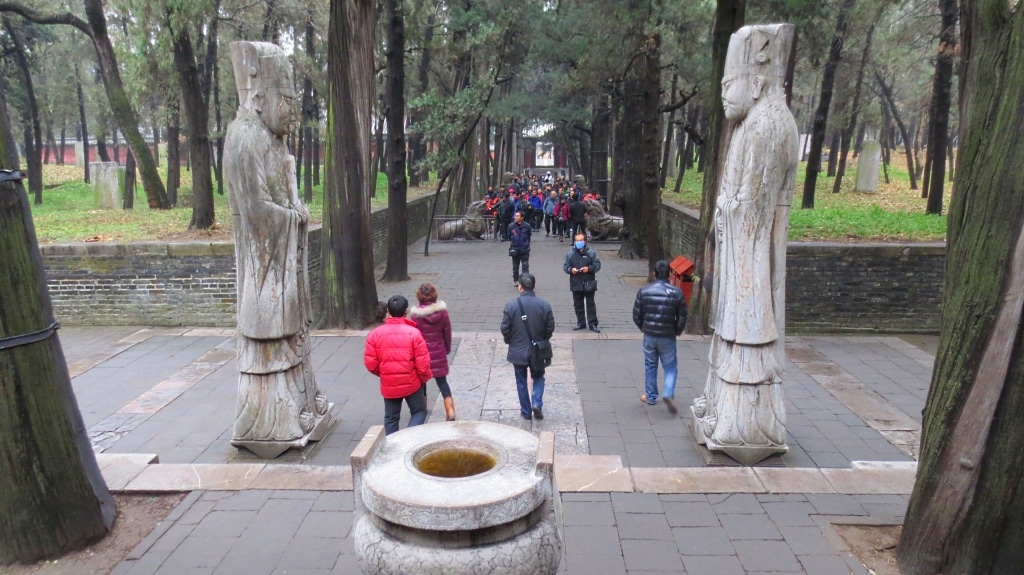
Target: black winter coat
column 540, row 319
column 660, row 309
column 579, row 260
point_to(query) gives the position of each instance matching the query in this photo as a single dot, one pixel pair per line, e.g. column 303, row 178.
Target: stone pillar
column 867, row 167
column 107, row 178
column 79, row 155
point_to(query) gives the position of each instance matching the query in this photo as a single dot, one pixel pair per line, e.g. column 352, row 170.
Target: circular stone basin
column 454, row 461
column 454, row 476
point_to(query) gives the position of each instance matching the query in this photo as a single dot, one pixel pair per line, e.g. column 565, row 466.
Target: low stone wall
column 834, row 287
column 172, row 284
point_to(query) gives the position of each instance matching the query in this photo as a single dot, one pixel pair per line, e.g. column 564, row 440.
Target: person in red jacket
column 431, row 317
column 397, row 353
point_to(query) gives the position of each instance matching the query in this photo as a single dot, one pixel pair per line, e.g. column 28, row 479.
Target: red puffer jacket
column 397, row 353
column 436, row 327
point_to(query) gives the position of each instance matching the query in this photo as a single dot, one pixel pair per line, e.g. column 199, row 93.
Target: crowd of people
column 551, row 202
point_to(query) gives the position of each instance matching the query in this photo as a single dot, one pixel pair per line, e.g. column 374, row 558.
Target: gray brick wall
column 844, row 287
column 171, row 284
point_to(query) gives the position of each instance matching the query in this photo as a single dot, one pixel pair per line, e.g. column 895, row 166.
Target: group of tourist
column 559, row 206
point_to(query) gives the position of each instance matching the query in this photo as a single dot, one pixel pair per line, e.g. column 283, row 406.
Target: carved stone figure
column 600, row 225
column 278, row 404
column 469, row 227
column 741, row 412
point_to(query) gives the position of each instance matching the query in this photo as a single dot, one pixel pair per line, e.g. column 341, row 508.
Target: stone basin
column 461, row 497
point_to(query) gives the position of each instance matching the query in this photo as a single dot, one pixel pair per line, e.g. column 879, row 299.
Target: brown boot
column 449, row 409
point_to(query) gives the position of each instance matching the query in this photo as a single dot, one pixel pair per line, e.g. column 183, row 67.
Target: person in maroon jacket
column 397, row 353
column 431, row 317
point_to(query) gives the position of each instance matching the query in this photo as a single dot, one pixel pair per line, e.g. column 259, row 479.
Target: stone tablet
column 278, row 405
column 107, row 182
column 867, row 166
column 741, row 412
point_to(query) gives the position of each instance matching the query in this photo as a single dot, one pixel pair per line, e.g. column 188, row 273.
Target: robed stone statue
column 278, row 405
column 741, row 412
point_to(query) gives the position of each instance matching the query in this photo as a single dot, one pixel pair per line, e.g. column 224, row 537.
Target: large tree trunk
column 398, row 234
column 669, row 128
column 417, row 143
column 308, row 111
column 942, row 96
column 173, row 151
column 52, row 497
column 348, row 291
column 642, row 128
column 121, row 107
column 197, row 117
column 966, row 513
column 83, row 127
column 33, row 131
column 601, row 122
column 828, row 80
column 729, row 17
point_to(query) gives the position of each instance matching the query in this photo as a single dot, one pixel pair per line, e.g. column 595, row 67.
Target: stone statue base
column 748, row 455
column 272, row 449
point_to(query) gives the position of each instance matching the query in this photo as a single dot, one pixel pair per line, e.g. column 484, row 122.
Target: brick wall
column 171, row 284
column 845, row 287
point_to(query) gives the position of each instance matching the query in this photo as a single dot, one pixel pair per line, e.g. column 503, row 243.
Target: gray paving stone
column 824, row 565
column 650, row 526
column 713, row 565
column 766, row 556
column 588, row 564
column 702, row 541
column 690, row 514
column 591, row 540
column 651, row 556
column 230, row 523
column 804, row 540
column 587, row 513
column 784, row 513
column 636, row 503
column 735, row 503
column 749, row 527
column 835, row 504
column 242, row 500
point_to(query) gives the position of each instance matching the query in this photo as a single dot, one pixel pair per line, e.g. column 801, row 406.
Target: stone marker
column 456, row 498
column 867, row 166
column 741, row 412
column 278, row 405
column 107, row 181
column 79, row 155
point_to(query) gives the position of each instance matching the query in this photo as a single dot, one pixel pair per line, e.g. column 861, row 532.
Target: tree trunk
column 966, row 513
column 53, row 499
column 197, row 117
column 348, row 290
column 128, row 201
column 398, row 234
column 828, row 80
column 668, row 131
column 833, row 152
column 156, row 143
column 887, row 95
column 886, row 139
column 308, row 113
column 378, row 152
column 601, row 122
column 173, row 152
column 851, row 125
column 33, row 132
column 121, row 107
column 729, row 17
column 942, row 96
column 417, row 145
column 82, row 125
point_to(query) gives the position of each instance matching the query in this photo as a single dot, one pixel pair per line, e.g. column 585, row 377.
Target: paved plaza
column 637, row 494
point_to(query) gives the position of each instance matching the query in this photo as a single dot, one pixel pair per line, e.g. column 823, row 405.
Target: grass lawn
column 894, row 213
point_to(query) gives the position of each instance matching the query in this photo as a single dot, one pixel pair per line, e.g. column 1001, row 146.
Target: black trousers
column 524, row 259
column 584, row 301
column 579, row 228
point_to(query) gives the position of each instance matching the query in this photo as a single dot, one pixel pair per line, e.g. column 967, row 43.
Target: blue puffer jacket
column 519, row 236
column 660, row 309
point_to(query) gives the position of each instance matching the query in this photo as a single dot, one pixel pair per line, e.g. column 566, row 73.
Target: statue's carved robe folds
column 277, row 392
column 742, row 404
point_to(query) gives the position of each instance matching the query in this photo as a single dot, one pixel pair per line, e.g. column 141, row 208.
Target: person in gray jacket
column 660, row 313
column 541, row 322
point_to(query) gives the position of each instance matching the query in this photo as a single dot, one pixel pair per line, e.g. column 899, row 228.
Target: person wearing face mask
column 582, row 265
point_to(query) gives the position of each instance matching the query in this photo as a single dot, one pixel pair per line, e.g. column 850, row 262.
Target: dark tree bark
column 156, row 143
column 833, row 152
column 173, row 151
column 308, row 113
column 398, row 234
column 348, row 290
column 966, row 513
column 729, row 17
column 53, row 499
column 417, row 144
column 907, row 142
column 378, row 150
column 82, row 125
column 197, row 118
column 128, row 201
column 851, row 124
column 666, row 149
column 942, row 97
column 601, row 122
column 33, row 130
column 828, row 79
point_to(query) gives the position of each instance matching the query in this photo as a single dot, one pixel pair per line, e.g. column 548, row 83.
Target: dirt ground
column 137, row 516
column 874, row 545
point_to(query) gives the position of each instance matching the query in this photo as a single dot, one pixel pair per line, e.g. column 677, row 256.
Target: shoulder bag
column 540, row 350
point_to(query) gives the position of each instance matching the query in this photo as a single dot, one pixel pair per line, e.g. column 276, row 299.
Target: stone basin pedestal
column 463, row 497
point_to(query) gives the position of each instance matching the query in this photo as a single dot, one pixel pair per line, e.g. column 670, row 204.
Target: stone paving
column 637, row 495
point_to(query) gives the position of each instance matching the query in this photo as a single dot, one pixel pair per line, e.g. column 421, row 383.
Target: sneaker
column 643, row 398
column 579, row 326
column 537, row 413
column 671, row 405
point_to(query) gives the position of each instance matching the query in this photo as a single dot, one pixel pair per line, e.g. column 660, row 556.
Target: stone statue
column 741, row 412
column 278, row 405
column 470, row 226
column 600, row 225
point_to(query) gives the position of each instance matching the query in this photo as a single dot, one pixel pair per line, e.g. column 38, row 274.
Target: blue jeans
column 525, row 405
column 393, row 410
column 664, row 348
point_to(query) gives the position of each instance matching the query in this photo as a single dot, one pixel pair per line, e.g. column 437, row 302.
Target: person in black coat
column 582, row 265
column 540, row 321
column 519, row 234
column 660, row 313
column 577, row 215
